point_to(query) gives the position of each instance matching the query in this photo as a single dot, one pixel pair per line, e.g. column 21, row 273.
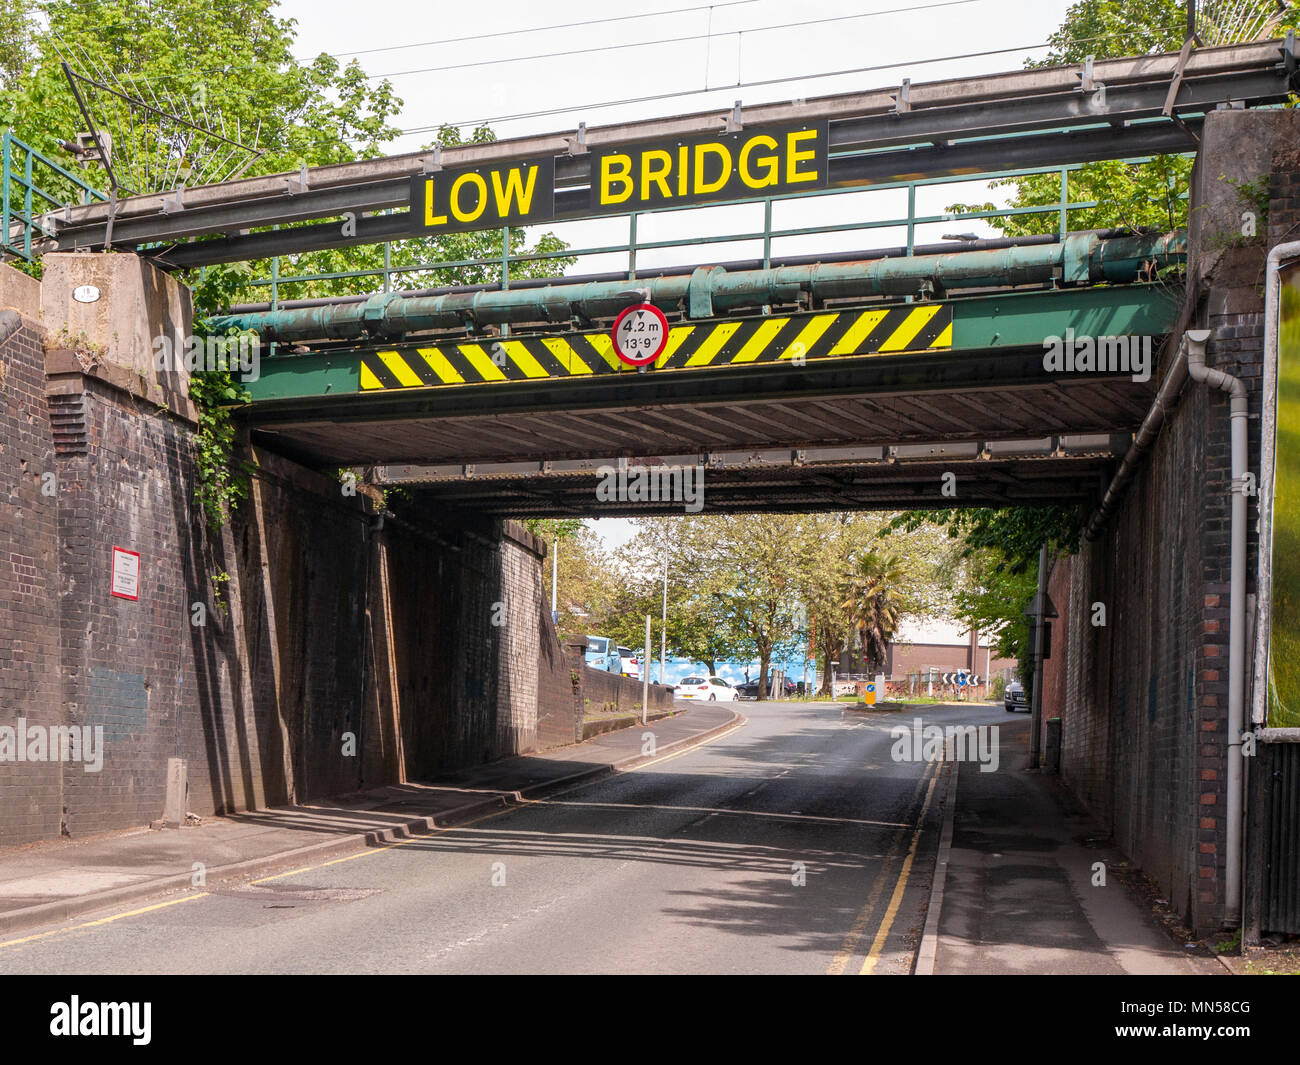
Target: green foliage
column 875, row 603
column 1014, row 534
column 763, row 586
column 221, row 481
column 236, row 57
column 1130, row 196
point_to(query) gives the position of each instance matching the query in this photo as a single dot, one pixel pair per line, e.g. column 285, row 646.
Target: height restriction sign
column 640, row 334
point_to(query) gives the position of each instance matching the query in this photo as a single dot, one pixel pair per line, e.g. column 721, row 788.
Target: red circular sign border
column 613, row 333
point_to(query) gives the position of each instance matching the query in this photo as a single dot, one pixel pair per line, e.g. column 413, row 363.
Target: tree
column 1001, row 547
column 1129, row 195
column 233, row 59
column 875, row 604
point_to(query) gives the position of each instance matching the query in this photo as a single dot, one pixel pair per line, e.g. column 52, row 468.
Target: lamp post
column 663, row 627
column 1039, row 611
column 833, row 665
column 555, row 579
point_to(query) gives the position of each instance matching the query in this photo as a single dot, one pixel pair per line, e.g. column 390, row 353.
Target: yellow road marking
column 762, row 337
column 896, row 900
column 856, row 931
column 404, row 374
column 104, row 920
column 509, row 808
column 912, row 324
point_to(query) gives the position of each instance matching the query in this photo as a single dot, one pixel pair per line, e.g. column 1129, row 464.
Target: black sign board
column 748, row 164
column 484, row 197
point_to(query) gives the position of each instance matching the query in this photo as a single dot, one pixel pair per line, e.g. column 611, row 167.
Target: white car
column 710, row 689
column 628, row 663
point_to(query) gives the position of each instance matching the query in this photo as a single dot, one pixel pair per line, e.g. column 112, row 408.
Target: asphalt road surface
column 794, row 844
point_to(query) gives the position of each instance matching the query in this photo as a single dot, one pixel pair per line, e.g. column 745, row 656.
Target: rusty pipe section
column 1082, row 258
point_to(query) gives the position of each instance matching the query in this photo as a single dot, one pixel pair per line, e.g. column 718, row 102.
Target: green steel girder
column 993, row 325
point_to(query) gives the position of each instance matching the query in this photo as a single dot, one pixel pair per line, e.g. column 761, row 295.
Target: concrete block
column 19, row 292
column 136, row 303
column 177, row 793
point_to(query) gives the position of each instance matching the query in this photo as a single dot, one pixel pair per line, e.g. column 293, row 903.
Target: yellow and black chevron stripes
column 746, row 341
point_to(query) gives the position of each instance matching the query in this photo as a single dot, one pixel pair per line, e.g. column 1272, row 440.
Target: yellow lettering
column 456, row 210
column 682, row 169
column 722, row 152
column 514, row 190
column 793, row 157
column 430, row 219
column 655, row 175
column 615, row 169
column 768, row 162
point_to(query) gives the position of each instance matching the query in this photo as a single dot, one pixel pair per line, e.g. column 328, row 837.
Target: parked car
column 628, row 663
column 598, row 652
column 709, row 689
column 749, row 690
column 1013, row 697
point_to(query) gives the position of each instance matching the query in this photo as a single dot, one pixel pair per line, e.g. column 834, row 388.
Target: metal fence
column 633, row 246
column 31, row 184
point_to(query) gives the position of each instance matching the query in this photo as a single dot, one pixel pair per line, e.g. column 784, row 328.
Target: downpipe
column 1190, row 363
column 1238, row 415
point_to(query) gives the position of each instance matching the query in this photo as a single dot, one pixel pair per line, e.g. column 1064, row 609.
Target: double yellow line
column 859, row 928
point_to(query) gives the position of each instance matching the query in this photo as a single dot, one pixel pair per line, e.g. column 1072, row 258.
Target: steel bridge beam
column 992, row 341
column 945, row 130
column 1081, row 258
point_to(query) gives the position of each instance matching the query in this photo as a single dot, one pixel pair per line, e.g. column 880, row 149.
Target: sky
column 681, row 46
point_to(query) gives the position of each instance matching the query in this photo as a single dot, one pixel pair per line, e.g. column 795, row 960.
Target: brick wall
column 1144, row 698
column 31, row 794
column 344, row 651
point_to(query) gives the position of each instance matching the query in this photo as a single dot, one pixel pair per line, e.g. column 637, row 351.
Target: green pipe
column 1082, row 258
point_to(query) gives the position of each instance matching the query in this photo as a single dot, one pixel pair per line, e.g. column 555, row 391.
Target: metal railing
column 30, row 185
column 633, row 246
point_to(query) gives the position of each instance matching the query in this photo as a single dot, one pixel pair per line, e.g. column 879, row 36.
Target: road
column 794, row 844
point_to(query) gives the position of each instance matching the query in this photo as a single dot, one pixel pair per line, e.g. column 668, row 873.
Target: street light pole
column 645, row 674
column 663, row 628
column 555, row 576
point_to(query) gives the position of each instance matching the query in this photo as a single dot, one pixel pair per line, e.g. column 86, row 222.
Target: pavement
column 59, row 880
column 1021, row 892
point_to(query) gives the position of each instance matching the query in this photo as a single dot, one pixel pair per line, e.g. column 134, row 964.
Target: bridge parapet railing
column 278, row 281
column 30, row 185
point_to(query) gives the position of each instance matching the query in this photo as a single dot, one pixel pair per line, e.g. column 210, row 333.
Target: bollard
column 1053, row 752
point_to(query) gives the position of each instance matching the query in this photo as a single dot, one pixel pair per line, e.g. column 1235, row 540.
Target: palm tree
column 875, row 603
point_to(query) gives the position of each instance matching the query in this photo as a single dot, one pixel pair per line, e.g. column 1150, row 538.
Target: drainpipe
column 1190, row 362
column 1239, row 413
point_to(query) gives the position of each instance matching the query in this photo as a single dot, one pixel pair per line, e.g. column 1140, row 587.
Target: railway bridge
column 1131, row 374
